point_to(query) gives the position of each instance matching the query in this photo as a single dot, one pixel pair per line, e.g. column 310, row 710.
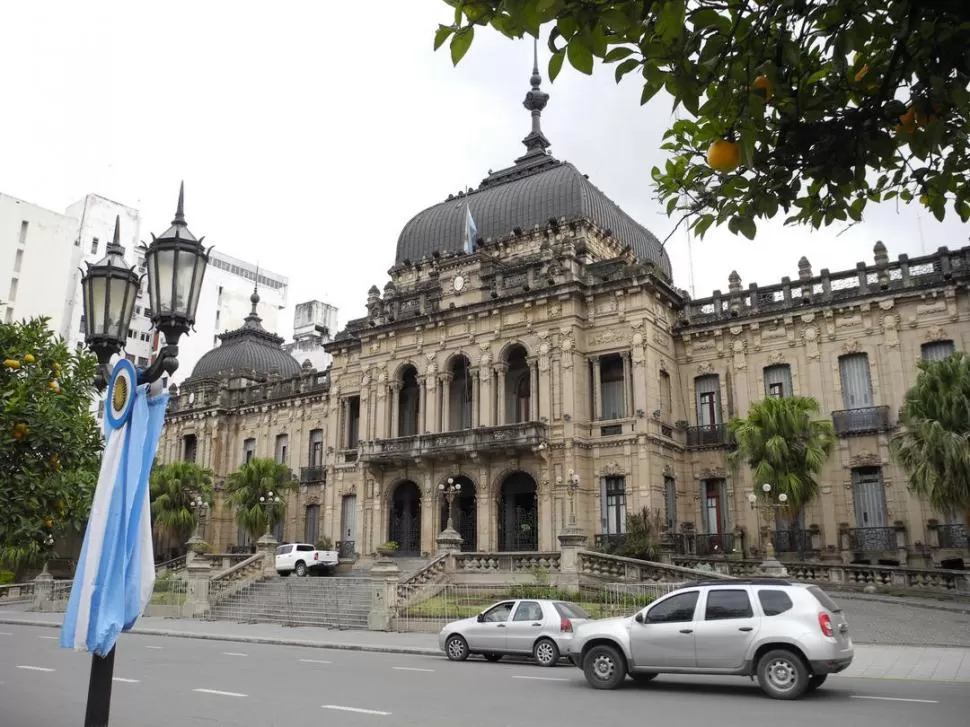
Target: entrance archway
column 405, row 524
column 518, row 516
column 465, row 514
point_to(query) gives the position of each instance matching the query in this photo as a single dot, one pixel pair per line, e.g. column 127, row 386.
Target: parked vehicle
column 535, row 627
column 790, row 636
column 302, row 559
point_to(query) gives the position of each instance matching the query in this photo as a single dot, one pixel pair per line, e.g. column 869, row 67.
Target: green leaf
column 649, row 91
column 555, row 64
column 461, row 43
column 441, row 35
column 617, row 54
column 625, row 67
column 579, row 56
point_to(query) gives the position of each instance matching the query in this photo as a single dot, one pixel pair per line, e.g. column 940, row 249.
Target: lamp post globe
column 766, row 488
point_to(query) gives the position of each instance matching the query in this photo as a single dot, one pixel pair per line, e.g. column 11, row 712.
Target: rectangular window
column 936, row 350
column 311, row 532
column 725, row 604
column 142, row 362
column 613, row 504
column 714, row 504
column 612, row 389
column 670, row 503
column 856, row 381
column 353, row 422
column 24, row 225
column 94, row 245
column 18, row 261
column 282, row 444
column 778, row 380
column 869, row 497
column 316, row 447
column 190, row 446
column 708, row 390
column 249, row 450
column 13, row 289
column 666, row 397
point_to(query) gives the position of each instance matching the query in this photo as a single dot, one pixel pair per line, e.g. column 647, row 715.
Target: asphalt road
column 164, row 681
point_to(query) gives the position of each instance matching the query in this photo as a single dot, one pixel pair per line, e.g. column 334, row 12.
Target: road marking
column 410, row 668
column 233, row 653
column 35, row 668
column 543, row 679
column 358, row 710
column 5, row 633
column 126, row 681
column 155, row 647
column 315, row 661
column 895, row 699
column 49, row 638
column 219, row 693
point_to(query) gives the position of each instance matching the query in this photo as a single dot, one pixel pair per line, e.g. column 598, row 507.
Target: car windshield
column 570, row 610
column 822, row 597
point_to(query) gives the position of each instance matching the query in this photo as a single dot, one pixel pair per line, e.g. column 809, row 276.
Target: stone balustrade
column 617, row 569
column 433, row 572
column 233, row 580
column 514, row 563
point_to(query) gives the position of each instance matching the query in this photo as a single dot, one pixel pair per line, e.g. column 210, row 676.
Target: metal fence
column 21, row 596
column 427, row 607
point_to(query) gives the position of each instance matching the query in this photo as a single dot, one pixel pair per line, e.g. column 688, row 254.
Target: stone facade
column 554, row 351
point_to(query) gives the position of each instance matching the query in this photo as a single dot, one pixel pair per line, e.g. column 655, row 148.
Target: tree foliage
column 255, row 479
column 785, row 446
column 831, row 105
column 933, row 445
column 174, row 487
column 644, row 533
column 50, row 446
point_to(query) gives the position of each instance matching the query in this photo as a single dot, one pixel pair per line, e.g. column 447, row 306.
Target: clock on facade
column 458, row 283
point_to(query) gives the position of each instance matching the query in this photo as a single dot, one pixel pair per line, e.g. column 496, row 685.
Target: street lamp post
column 766, row 507
column 201, row 508
column 450, row 492
column 268, row 502
column 109, row 288
column 572, row 487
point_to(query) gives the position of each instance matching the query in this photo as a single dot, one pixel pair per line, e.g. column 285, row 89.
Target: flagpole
column 99, row 689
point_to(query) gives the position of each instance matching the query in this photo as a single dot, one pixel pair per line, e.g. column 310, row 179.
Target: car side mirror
column 481, row 618
column 639, row 618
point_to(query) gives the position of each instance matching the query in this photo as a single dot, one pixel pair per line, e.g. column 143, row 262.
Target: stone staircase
column 341, row 603
column 408, row 565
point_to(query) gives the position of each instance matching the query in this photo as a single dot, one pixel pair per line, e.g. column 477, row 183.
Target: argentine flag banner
column 115, row 574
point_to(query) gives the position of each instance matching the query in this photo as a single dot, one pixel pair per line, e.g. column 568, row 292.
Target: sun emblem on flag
column 121, row 393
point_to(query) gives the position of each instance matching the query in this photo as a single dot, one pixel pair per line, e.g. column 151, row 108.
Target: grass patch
column 168, row 599
column 596, row 604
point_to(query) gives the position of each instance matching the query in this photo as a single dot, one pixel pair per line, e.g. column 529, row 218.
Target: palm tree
column 173, row 488
column 933, row 445
column 253, row 480
column 785, row 446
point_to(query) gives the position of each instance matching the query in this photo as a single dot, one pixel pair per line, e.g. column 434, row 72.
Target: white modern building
column 314, row 324
column 224, row 303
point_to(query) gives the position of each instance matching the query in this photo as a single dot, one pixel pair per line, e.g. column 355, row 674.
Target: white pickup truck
column 301, row 558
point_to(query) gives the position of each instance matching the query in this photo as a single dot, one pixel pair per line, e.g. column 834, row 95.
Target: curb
column 268, row 640
column 948, row 606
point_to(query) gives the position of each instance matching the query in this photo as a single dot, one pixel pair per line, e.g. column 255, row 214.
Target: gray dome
column 250, row 351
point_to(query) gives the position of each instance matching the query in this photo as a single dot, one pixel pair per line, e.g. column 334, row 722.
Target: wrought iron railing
column 792, row 541
column 313, row 475
column 715, row 543
column 521, row 436
column 952, row 536
column 609, row 542
column 346, row 548
column 709, row 436
column 849, row 422
column 872, row 539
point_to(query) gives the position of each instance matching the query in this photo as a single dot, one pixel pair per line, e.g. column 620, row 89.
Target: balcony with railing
column 792, row 541
column 313, row 475
column 703, row 545
column 709, row 436
column 953, row 536
column 346, row 548
column 871, row 540
column 508, row 438
column 609, row 542
column 854, row 422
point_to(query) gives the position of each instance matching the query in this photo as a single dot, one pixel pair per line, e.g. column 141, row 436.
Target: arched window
column 518, row 387
column 409, row 403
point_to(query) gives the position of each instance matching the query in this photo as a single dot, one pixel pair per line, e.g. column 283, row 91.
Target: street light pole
column 765, row 508
column 572, row 486
column 450, row 492
column 268, row 502
column 176, row 264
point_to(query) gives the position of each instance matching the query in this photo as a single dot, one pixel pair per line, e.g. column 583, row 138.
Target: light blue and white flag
column 115, row 573
column 471, row 230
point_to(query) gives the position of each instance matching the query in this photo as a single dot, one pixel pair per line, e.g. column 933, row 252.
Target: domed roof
column 249, row 351
column 534, row 190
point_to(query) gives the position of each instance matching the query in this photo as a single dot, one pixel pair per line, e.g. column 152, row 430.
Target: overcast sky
column 309, row 132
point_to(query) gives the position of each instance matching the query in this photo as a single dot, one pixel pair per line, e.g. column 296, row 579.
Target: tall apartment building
column 314, row 325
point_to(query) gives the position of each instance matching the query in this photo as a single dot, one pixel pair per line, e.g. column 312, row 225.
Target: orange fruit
column 724, row 155
column 861, row 73
column 29, row 358
column 762, row 86
column 54, row 386
column 907, row 122
column 12, row 363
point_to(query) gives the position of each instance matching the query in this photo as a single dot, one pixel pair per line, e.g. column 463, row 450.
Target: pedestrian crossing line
column 125, row 681
column 411, row 668
column 314, row 661
column 233, row 653
column 220, row 693
column 542, row 679
column 358, row 710
column 33, row 668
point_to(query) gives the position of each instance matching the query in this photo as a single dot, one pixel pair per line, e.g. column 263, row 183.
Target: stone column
column 500, row 393
column 486, row 397
column 383, row 595
column 395, row 408
column 475, row 398
column 533, row 390
column 597, row 391
column 445, row 384
column 43, row 598
column 267, row 546
column 344, row 425
column 423, row 406
column 571, row 540
column 628, row 383
column 197, row 588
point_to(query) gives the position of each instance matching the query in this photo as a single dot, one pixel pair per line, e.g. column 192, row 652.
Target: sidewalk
column 931, row 663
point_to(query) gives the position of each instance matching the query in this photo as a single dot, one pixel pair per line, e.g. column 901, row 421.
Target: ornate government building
column 553, row 361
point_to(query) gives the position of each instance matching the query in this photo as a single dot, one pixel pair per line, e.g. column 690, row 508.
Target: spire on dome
column 535, row 101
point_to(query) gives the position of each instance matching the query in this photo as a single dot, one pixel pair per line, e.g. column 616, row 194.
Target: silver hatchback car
column 535, row 627
column 790, row 636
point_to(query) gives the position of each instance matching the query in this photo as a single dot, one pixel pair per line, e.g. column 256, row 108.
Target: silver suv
column 789, row 635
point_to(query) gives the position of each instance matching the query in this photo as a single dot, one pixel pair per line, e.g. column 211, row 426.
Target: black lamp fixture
column 176, row 264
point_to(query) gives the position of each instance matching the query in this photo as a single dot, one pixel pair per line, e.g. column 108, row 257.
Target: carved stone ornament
column 705, row 368
column 740, row 363
column 865, row 459
column 935, row 333
column 890, row 328
column 778, row 357
column 611, row 469
column 850, row 347
column 716, row 473
column 611, row 335
column 668, row 470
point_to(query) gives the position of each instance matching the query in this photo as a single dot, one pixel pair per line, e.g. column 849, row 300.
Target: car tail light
column 566, row 625
column 825, row 623
column 316, row 556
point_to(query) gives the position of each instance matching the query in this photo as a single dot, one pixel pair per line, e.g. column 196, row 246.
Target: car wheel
column 816, row 681
column 492, row 657
column 642, row 677
column 456, row 648
column 301, row 569
column 604, row 667
column 545, row 652
column 782, row 674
